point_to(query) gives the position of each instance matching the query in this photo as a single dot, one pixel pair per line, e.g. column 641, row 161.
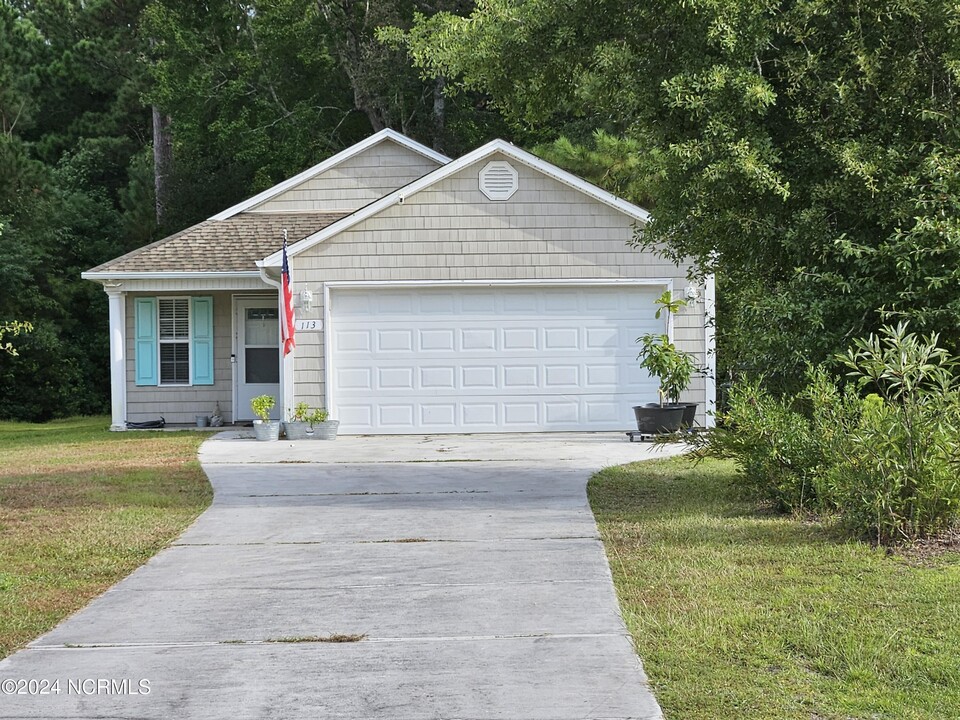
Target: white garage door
column 489, row 359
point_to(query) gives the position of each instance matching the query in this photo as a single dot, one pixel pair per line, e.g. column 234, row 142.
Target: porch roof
column 234, row 244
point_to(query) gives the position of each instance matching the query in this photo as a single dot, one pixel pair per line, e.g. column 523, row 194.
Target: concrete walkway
column 470, row 566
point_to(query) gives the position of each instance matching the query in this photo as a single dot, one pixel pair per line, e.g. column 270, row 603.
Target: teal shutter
column 202, row 341
column 145, row 340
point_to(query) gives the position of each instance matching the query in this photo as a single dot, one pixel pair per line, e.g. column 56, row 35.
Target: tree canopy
column 806, row 151
column 123, row 122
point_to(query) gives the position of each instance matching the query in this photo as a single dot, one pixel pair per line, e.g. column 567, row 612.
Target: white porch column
column 710, row 346
column 287, row 388
column 118, row 365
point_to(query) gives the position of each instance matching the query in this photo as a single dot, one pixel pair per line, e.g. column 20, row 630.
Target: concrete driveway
column 467, row 570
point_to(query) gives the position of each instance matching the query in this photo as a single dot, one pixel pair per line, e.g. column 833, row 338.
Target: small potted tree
column 674, row 370
column 298, row 427
column 264, row 427
column 323, row 427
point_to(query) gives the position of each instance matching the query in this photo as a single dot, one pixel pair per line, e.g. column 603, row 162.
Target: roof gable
column 386, row 135
column 492, row 148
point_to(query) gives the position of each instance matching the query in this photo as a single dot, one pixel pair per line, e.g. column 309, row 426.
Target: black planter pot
column 689, row 415
column 653, row 419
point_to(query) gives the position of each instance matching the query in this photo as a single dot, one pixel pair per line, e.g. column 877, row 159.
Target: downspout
column 286, row 367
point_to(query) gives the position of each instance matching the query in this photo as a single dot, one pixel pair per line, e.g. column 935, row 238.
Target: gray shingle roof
column 228, row 245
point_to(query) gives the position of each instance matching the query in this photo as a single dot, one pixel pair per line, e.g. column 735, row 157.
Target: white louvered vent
column 498, row 180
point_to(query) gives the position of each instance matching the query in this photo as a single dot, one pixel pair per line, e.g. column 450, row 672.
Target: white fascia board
column 334, row 160
column 663, row 282
column 495, row 146
column 107, row 275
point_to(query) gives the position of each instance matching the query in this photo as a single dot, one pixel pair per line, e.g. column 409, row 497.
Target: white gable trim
column 445, row 171
column 353, row 150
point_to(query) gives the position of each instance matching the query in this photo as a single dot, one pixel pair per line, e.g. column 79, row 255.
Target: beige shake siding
column 183, row 404
column 451, row 231
column 355, row 182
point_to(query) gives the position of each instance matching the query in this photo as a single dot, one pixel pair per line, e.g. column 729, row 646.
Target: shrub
column 893, row 473
column 882, row 453
column 772, row 444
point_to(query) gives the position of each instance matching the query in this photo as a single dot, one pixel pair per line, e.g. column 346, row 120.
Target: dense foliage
column 806, row 150
column 121, row 122
column 885, row 463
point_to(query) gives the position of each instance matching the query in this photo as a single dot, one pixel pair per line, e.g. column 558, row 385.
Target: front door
column 257, row 326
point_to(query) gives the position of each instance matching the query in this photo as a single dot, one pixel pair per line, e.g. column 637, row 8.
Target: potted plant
column 264, row 427
column 298, row 427
column 674, row 370
column 323, row 427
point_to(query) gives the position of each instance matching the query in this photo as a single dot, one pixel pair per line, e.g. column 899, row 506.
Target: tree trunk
column 162, row 161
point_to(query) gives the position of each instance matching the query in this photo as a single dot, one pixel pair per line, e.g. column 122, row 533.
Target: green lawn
column 742, row 614
column 80, row 508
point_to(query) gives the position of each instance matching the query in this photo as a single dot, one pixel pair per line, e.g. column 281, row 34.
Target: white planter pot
column 267, row 429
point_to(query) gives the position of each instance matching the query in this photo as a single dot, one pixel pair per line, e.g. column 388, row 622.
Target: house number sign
column 309, row 325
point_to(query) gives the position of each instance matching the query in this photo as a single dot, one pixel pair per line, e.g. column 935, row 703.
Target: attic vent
column 498, row 180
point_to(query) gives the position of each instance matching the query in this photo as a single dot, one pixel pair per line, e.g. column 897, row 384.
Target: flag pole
column 287, row 330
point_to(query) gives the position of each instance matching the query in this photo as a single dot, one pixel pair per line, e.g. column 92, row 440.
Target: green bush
column 881, row 454
column 893, row 461
column 772, row 444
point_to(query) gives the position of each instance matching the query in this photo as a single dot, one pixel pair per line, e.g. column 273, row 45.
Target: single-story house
column 491, row 293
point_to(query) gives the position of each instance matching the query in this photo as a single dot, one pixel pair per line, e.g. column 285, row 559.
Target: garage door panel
column 478, row 340
column 561, row 376
column 396, row 378
column 519, row 339
column 434, row 340
column 478, row 377
column 439, row 414
column 438, row 378
column 473, row 303
column 561, row 338
column 476, row 415
column 398, row 416
column 393, row 340
column 601, row 376
column 357, row 416
column 354, row 378
column 489, row 359
column 601, row 338
column 394, row 303
column 519, row 301
column 562, row 412
column 518, row 378
column 522, row 414
column 352, row 341
column 437, row 303
column 602, row 411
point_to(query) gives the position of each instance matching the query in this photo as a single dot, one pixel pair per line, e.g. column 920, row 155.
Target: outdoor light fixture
column 306, row 300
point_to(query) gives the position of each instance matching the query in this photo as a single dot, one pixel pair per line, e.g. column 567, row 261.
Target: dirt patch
column 930, row 551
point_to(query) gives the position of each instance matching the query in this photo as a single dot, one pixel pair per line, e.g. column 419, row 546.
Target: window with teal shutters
column 202, row 339
column 145, row 340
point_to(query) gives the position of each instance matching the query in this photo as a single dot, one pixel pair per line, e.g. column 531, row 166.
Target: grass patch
column 746, row 614
column 80, row 508
column 335, row 638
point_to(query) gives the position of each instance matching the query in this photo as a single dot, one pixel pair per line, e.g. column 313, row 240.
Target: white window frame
column 189, row 341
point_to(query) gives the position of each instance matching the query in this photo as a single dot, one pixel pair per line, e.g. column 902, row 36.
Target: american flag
column 288, row 325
